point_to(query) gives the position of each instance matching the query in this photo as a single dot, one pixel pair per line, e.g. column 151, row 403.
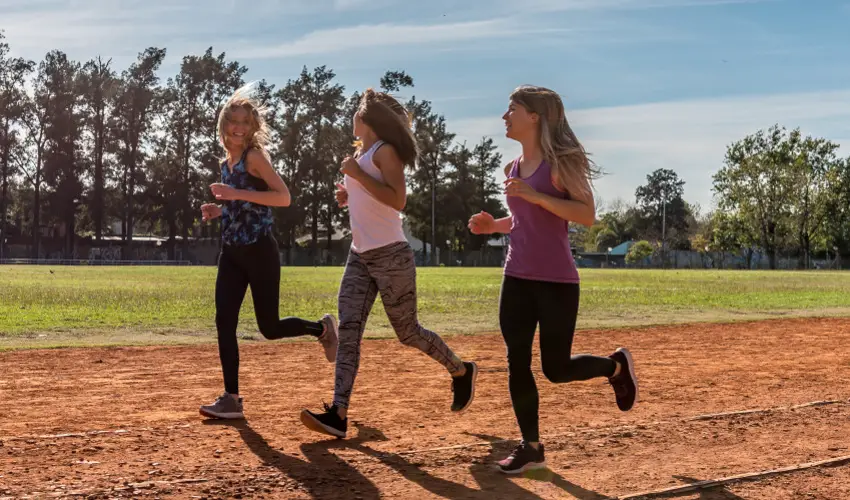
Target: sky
column 647, row 84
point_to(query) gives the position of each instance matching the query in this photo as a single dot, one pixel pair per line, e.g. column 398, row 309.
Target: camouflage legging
column 390, row 270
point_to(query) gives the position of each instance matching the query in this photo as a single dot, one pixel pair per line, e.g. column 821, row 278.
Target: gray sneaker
column 330, row 339
column 224, row 407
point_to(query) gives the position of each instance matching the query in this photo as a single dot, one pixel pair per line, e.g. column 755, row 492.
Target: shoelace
column 520, row 447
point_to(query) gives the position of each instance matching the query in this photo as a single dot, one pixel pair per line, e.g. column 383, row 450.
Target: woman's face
column 519, row 122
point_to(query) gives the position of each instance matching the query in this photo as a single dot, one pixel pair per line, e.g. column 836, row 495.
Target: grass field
column 58, row 306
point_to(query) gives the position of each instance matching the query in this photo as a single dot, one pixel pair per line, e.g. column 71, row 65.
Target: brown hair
column 244, row 98
column 391, row 123
column 561, row 148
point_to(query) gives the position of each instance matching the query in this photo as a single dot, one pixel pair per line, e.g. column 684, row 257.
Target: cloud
column 564, row 5
column 689, row 137
column 387, row 34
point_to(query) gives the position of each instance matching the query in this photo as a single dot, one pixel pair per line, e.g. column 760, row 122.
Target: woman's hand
column 341, row 195
column 519, row 188
column 351, row 168
column 223, row 191
column 482, row 223
column 210, row 211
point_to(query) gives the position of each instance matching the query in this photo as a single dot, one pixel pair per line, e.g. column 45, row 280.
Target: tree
column 663, row 210
column 435, row 143
column 63, row 162
column 192, row 101
column 37, row 114
column 290, row 126
column 323, row 101
column 486, row 161
column 755, row 183
column 135, row 104
column 13, row 74
column 393, row 81
column 814, row 160
column 834, row 236
column 701, row 245
column 639, row 252
column 98, row 86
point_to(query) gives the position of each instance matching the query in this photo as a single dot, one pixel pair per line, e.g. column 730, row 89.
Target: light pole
column 607, row 255
column 664, row 228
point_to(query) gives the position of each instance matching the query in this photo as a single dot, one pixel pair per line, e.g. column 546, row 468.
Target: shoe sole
column 525, row 468
column 316, row 426
column 222, row 416
column 625, row 352
column 472, row 393
column 335, row 325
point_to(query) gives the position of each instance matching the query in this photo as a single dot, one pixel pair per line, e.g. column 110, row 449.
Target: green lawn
column 121, row 305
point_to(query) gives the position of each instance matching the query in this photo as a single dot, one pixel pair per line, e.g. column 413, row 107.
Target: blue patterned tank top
column 243, row 222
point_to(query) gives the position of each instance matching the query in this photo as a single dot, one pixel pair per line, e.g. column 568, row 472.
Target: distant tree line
column 88, row 148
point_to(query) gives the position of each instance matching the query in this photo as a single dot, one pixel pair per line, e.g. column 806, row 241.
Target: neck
column 366, row 143
column 234, row 152
column 531, row 151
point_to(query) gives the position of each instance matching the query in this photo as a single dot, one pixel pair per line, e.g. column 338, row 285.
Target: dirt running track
column 150, row 441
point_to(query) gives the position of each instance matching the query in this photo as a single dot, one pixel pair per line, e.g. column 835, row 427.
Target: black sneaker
column 464, row 388
column 523, row 458
column 326, row 423
column 625, row 384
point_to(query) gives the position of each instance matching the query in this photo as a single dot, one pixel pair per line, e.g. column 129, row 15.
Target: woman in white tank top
column 381, row 260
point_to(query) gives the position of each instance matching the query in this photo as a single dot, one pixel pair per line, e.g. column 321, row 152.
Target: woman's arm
column 579, row 209
column 393, row 191
column 257, row 163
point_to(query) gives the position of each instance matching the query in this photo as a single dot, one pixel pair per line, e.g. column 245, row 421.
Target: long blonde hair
column 572, row 168
column 245, row 98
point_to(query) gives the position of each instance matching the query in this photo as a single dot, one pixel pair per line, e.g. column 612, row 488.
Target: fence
column 79, row 262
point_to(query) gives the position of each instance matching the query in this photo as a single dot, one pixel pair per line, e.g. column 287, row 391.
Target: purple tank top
column 539, row 247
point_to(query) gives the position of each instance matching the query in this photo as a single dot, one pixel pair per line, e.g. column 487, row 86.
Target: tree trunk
column 36, row 217
column 434, row 221
column 5, row 186
column 98, row 179
column 172, row 234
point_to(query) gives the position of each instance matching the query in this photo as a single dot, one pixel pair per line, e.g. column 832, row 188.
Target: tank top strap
column 372, row 150
column 514, row 168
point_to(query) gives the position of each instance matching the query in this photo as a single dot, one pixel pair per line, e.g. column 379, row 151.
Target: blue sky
column 648, row 83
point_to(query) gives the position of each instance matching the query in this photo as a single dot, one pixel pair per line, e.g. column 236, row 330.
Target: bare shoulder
column 257, row 155
column 386, row 154
column 257, row 159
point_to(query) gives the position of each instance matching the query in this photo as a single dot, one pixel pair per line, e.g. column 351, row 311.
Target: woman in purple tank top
column 548, row 186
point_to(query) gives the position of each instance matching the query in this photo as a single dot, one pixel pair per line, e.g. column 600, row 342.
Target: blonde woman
column 548, row 186
column 248, row 190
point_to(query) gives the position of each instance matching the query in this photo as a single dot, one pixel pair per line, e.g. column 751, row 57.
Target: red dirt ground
column 158, row 446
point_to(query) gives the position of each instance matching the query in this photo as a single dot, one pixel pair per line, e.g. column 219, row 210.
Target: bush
column 639, row 252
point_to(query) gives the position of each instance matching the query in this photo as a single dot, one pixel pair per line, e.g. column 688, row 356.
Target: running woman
column 249, row 255
column 545, row 187
column 381, row 260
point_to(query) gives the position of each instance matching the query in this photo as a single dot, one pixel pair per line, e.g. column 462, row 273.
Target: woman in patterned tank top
column 548, row 186
column 248, row 190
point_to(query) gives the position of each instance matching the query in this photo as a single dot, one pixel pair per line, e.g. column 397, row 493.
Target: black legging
column 257, row 265
column 524, row 304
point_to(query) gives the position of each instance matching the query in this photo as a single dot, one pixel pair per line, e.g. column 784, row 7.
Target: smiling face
column 239, row 127
column 520, row 124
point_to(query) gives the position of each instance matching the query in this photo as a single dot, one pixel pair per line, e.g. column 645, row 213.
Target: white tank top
column 373, row 224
